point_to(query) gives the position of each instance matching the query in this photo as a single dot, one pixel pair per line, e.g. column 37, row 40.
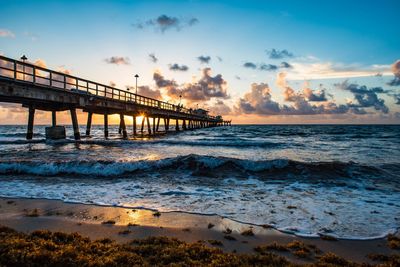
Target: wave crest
column 196, row 164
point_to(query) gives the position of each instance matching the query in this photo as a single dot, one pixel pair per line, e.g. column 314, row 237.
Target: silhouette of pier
column 38, row 88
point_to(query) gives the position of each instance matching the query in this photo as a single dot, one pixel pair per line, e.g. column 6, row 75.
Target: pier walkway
column 38, row 88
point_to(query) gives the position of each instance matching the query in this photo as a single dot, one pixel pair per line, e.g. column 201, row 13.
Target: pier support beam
column 106, row 125
column 184, row 125
column 148, row 125
column 134, row 125
column 143, row 120
column 89, row 123
column 29, row 133
column 75, row 124
column 154, row 125
column 177, row 125
column 54, row 118
column 165, row 125
column 122, row 126
column 158, row 124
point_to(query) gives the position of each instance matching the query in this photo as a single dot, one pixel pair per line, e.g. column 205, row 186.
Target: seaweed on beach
column 108, row 222
column 45, row 248
column 393, row 241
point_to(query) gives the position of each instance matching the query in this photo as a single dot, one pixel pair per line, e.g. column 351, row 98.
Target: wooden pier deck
column 38, row 88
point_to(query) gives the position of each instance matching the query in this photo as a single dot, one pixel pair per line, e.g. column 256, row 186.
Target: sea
column 341, row 180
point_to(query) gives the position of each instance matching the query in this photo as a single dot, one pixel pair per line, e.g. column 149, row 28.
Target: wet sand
column 97, row 222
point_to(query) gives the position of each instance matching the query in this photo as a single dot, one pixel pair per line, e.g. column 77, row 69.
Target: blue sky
column 329, row 42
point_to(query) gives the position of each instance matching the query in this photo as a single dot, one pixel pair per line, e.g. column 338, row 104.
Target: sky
column 255, row 62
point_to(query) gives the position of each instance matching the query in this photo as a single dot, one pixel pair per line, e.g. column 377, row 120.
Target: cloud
column 312, row 69
column 250, row 65
column 259, row 101
column 307, row 94
column 6, row 33
column 285, row 65
column 268, row 67
column 204, row 89
column 112, row 84
column 312, row 96
column 148, row 92
column 279, row 54
column 161, row 82
column 261, row 66
column 365, row 97
column 204, row 59
column 177, row 67
column 118, row 60
column 396, row 72
column 163, row 23
column 220, row 108
column 153, row 58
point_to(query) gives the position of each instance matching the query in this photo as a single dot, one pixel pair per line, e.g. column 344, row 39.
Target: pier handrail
column 36, row 75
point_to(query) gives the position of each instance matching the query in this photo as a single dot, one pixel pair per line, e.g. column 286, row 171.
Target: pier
column 38, row 88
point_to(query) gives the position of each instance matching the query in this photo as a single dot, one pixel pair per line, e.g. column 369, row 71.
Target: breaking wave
column 196, row 164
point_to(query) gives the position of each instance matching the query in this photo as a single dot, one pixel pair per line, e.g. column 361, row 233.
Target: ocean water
column 312, row 179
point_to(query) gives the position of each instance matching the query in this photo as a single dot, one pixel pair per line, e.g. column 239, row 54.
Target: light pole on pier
column 136, row 76
column 23, row 58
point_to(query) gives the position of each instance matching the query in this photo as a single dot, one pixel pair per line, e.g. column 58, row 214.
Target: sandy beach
column 125, row 224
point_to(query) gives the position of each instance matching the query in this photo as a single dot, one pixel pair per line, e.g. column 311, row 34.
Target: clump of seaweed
column 108, row 222
column 378, row 257
column 297, row 248
column 157, row 214
column 248, row 232
column 210, row 225
column 33, row 213
column 132, row 224
column 186, row 230
column 330, row 259
column 273, row 246
column 227, row 231
column 215, row 242
column 393, row 241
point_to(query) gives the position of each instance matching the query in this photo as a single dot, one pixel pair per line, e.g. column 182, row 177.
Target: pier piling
column 53, row 118
column 106, row 125
column 123, row 126
column 134, row 125
column 89, row 123
column 31, row 117
column 75, row 124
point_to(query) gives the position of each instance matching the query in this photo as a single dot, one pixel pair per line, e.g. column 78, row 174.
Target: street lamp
column 136, row 76
column 23, row 58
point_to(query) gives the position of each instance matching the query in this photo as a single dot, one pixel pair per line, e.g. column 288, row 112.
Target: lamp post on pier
column 23, row 58
column 136, row 76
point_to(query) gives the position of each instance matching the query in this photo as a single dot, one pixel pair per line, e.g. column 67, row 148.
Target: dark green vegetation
column 44, row 248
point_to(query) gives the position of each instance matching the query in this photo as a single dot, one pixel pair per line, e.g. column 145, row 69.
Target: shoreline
column 288, row 232
column 95, row 221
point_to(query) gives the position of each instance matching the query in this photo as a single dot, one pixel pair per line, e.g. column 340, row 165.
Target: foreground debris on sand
column 59, row 249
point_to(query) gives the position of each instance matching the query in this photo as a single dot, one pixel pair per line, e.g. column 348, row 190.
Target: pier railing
column 36, row 75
